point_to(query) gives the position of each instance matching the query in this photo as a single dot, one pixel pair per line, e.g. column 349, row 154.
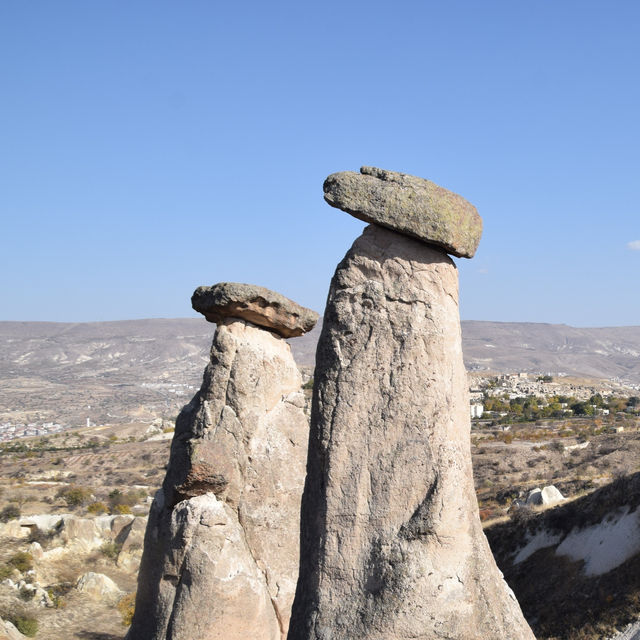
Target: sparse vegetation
column 10, row 512
column 25, row 624
column 6, row 571
column 74, row 495
column 22, row 561
column 97, row 508
column 126, row 608
column 122, row 509
column 110, row 550
column 121, row 502
column 507, row 464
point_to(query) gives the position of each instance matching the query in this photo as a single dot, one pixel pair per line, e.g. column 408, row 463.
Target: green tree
column 582, row 409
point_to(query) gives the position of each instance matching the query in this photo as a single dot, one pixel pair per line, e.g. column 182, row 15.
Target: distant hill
column 506, row 347
column 146, row 368
column 608, row 352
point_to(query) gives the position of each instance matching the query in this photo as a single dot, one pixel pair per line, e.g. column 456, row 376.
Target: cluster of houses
column 9, row 431
column 519, row 385
column 178, row 389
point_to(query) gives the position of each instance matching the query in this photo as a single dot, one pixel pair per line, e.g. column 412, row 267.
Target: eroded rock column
column 220, row 557
column 391, row 542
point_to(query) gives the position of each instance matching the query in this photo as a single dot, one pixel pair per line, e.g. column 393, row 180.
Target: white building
column 477, row 410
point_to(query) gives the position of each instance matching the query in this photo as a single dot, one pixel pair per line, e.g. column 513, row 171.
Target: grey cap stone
column 258, row 305
column 413, row 206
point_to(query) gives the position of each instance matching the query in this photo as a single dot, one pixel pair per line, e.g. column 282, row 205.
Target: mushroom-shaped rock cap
column 413, row 206
column 258, row 305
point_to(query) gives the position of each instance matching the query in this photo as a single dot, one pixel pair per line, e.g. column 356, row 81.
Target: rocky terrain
column 575, row 568
column 105, row 372
column 74, row 510
column 131, row 459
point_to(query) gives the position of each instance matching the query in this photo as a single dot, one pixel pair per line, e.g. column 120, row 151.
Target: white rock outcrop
column 547, row 496
column 98, row 586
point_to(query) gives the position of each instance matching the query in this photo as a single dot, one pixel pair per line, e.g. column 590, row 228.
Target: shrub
column 22, row 561
column 126, row 607
column 10, row 512
column 58, row 601
column 25, row 624
column 97, row 508
column 121, row 509
column 521, row 514
column 110, row 550
column 128, row 499
column 6, row 571
column 74, row 496
column 308, row 384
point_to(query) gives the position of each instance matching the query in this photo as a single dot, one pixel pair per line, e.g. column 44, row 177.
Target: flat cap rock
column 413, row 206
column 258, row 305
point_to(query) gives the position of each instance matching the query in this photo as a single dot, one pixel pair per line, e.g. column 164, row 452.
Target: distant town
column 526, row 397
column 10, row 431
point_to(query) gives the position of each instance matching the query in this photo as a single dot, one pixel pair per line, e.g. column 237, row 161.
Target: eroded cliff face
column 391, row 541
column 221, row 547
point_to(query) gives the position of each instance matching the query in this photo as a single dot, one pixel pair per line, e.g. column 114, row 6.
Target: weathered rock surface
column 98, row 586
column 211, row 585
column 391, row 542
column 70, row 534
column 131, row 538
column 9, row 632
column 258, row 305
column 221, row 548
column 412, row 206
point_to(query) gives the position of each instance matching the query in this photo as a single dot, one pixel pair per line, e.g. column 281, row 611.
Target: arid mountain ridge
column 143, row 369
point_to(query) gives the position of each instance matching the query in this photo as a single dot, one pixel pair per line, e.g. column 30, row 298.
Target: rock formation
column 413, row 206
column 220, row 556
column 391, row 542
column 261, row 306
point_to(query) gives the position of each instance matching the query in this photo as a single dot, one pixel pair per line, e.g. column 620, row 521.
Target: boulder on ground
column 36, row 550
column 118, row 525
column 548, row 496
column 14, row 529
column 98, row 586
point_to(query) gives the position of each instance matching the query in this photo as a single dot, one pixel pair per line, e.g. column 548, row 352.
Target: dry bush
column 126, row 607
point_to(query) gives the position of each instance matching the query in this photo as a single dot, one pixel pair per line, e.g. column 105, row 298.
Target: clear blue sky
column 151, row 146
